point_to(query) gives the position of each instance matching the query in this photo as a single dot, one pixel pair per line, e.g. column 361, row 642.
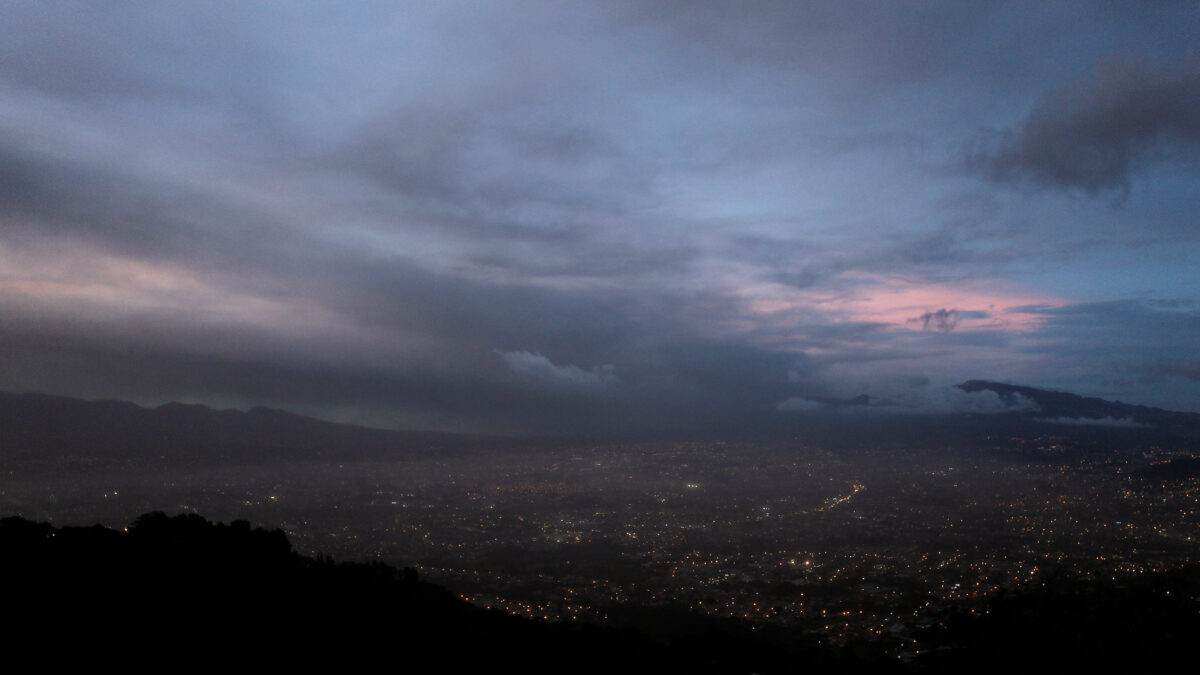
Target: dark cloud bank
column 1094, row 135
column 615, row 216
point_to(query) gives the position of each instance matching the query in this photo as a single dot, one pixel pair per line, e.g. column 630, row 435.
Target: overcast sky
column 578, row 216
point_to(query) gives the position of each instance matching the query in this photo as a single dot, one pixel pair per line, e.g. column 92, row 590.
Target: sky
column 541, row 217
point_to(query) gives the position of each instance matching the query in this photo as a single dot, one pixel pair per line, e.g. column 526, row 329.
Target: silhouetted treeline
column 1145, row 624
column 178, row 590
column 177, row 593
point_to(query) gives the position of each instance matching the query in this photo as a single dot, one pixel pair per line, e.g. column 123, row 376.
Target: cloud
column 799, row 404
column 697, row 210
column 538, row 366
column 1189, row 370
column 911, row 396
column 1095, row 134
column 1124, row 422
column 948, row 400
column 1131, row 350
column 943, row 320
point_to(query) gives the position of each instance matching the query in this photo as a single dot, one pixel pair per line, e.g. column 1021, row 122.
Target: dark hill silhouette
column 1058, row 404
column 39, row 426
column 171, row 591
column 184, row 593
column 1146, row 624
column 1178, row 468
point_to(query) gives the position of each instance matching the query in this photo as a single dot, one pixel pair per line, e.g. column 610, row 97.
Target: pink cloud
column 901, row 303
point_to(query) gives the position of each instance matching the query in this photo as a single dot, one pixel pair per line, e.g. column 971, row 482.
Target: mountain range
column 1060, row 406
column 38, row 426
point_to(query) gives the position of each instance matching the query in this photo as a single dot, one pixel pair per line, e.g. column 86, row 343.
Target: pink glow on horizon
column 901, row 302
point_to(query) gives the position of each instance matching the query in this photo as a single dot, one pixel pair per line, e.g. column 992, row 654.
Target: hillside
column 39, row 426
column 182, row 589
column 1055, row 405
column 170, row 591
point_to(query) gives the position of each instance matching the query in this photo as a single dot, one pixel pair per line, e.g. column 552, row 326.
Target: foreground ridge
column 183, row 589
column 172, row 583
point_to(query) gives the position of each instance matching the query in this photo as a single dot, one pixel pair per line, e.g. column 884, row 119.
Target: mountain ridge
column 44, row 425
column 1064, row 406
column 49, row 428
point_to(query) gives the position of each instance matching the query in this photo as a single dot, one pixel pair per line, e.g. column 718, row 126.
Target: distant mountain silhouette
column 1057, row 405
column 37, row 425
column 51, row 430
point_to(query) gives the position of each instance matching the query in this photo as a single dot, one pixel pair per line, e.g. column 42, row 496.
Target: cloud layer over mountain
column 598, row 215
